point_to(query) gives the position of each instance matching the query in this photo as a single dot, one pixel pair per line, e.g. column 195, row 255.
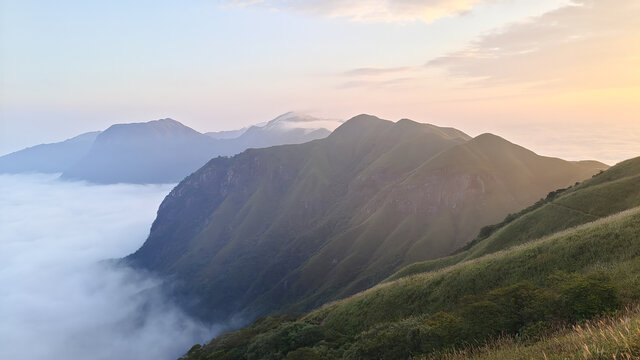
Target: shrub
column 584, row 297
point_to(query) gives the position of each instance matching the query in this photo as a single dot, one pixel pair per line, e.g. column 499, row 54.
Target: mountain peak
column 156, row 128
column 359, row 125
column 165, row 121
column 489, row 141
column 297, row 120
column 294, row 116
column 364, row 120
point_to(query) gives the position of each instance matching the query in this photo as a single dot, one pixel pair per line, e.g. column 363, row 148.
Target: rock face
column 292, row 227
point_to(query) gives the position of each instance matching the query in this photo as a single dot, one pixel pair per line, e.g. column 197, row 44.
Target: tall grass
column 610, row 243
column 616, row 337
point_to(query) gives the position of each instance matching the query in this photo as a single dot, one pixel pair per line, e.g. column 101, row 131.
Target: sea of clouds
column 59, row 299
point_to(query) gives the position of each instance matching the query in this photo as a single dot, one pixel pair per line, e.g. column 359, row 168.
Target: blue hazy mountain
column 48, row 158
column 159, row 151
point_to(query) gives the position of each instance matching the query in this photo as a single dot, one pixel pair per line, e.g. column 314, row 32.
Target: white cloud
column 58, row 300
column 371, row 10
column 568, row 46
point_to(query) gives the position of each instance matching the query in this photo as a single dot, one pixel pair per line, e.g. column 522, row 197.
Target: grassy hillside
column 289, row 228
column 616, row 337
column 607, row 193
column 549, row 283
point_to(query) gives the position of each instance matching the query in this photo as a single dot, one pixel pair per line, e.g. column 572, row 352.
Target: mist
column 58, row 298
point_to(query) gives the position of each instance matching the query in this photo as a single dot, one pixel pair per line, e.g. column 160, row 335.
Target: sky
column 559, row 77
column 56, row 291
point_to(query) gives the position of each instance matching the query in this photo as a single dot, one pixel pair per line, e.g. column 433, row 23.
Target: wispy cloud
column 587, row 43
column 378, row 77
column 371, row 10
column 376, row 71
column 372, row 83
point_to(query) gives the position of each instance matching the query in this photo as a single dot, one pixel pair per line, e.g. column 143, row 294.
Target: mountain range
column 159, row 151
column 555, row 280
column 48, row 158
column 289, row 228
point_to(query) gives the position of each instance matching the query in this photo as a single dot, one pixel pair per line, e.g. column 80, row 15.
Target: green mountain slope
column 612, row 191
column 524, row 291
column 292, row 227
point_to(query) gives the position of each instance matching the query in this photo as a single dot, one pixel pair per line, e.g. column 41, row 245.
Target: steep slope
column 523, row 292
column 152, row 152
column 607, row 193
column 48, row 158
column 291, row 227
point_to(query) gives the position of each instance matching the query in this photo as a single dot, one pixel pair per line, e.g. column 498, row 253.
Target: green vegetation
column 615, row 337
column 526, row 288
column 524, row 292
column 607, row 193
column 290, row 228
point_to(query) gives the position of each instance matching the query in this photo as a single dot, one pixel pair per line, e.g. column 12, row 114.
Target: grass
column 610, row 192
column 611, row 243
column 616, row 337
column 422, row 309
column 391, row 311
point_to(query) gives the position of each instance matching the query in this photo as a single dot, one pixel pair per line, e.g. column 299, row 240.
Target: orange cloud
column 591, row 43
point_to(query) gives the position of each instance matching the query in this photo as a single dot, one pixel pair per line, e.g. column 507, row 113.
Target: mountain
column 526, row 299
column 289, row 128
column 227, row 134
column 292, row 227
column 160, row 151
column 48, row 158
column 605, row 194
column 156, row 151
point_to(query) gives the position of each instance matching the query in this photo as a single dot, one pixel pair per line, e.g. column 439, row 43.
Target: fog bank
column 58, row 300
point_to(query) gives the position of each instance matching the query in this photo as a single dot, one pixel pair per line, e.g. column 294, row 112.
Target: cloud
column 375, row 71
column 58, row 299
column 587, row 43
column 372, row 83
column 371, row 10
column 379, row 77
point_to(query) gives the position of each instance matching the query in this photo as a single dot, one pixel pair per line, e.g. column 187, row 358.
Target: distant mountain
column 292, row 227
column 289, row 128
column 48, row 158
column 152, row 152
column 227, row 134
column 159, row 151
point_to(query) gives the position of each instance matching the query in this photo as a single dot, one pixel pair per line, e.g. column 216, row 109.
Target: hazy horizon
column 606, row 143
column 556, row 76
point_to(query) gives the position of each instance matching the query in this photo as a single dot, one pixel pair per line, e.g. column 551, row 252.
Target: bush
column 276, row 343
column 398, row 340
column 305, row 353
column 584, row 297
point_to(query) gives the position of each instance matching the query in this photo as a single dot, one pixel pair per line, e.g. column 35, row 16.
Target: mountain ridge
column 135, row 152
column 519, row 295
column 50, row 157
column 293, row 226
